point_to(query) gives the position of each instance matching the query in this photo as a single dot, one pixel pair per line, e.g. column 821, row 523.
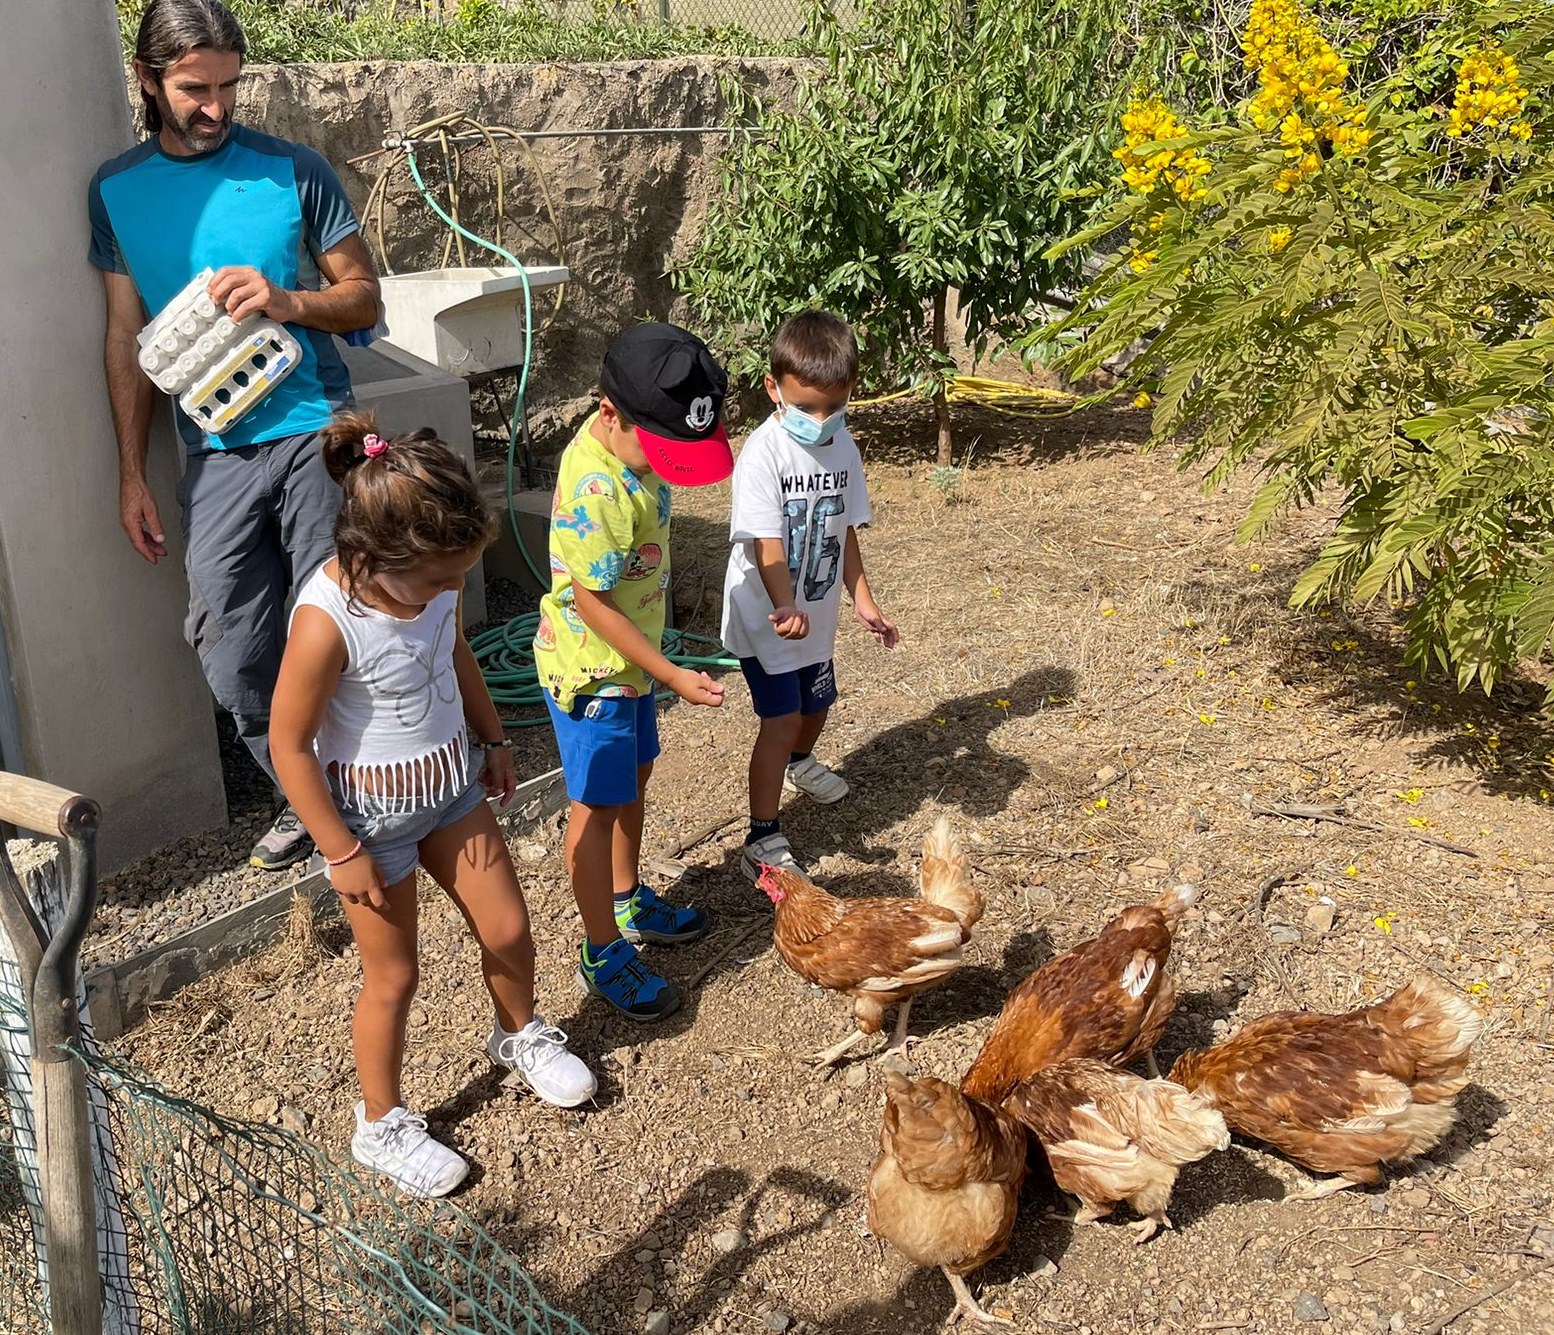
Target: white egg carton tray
column 216, row 367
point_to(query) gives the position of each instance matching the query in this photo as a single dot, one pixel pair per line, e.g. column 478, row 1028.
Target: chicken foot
column 967, row 1306
column 1320, row 1189
column 1146, row 1228
column 835, row 1053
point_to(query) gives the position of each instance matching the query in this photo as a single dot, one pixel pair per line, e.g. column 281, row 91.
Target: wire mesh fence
column 217, row 1226
column 770, row 20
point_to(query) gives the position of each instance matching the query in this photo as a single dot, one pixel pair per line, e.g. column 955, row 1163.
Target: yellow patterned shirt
column 609, row 530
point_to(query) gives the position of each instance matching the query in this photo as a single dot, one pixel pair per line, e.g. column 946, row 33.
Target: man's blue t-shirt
column 256, row 200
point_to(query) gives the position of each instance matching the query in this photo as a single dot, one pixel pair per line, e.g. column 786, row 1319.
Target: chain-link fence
column 770, row 20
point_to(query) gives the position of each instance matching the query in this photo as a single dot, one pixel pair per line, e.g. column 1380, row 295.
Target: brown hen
column 1108, row 998
column 1343, row 1093
column 880, row 952
column 1111, row 1136
column 946, row 1185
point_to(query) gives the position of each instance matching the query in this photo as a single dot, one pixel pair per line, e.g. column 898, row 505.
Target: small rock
column 730, row 1240
column 830, row 1101
column 1200, row 822
column 417, row 1018
column 1417, row 1197
column 1320, row 918
column 1378, row 1205
column 777, row 1321
column 530, row 852
column 1282, row 934
column 1308, row 1307
column 1190, row 873
column 657, row 1323
column 644, row 1302
column 264, row 994
column 295, row 1121
column 646, row 1256
column 856, row 1076
column 1045, row 1267
column 1343, row 1274
column 1175, row 1307
column 263, row 1109
column 1106, row 774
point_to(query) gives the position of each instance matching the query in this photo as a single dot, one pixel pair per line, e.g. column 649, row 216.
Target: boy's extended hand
column 696, row 688
column 873, row 620
column 499, row 775
column 359, row 881
column 789, row 623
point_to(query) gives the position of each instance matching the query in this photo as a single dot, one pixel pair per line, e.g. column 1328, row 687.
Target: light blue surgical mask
column 805, row 429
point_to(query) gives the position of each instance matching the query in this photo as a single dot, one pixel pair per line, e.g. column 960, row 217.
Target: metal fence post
column 49, row 965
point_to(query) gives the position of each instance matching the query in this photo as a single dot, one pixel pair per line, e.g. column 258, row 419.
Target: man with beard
column 271, row 219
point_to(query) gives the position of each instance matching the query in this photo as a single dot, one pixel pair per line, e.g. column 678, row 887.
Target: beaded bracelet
column 505, row 744
column 335, row 862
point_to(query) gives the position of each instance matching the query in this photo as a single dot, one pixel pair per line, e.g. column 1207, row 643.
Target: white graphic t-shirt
column 808, row 496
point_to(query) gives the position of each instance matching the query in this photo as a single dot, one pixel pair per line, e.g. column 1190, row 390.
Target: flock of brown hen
column 1338, row 1094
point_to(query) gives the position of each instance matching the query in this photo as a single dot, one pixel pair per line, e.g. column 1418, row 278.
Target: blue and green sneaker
column 617, row 974
column 643, row 916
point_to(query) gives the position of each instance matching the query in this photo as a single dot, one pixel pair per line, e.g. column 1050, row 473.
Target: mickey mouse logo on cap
column 701, row 414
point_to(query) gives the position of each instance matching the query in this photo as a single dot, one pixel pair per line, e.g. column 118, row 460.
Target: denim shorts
column 602, row 740
column 805, row 690
column 394, row 840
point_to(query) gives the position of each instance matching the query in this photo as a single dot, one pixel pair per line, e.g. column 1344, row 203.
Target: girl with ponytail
column 378, row 718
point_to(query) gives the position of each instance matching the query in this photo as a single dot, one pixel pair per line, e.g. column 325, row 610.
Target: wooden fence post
column 49, row 964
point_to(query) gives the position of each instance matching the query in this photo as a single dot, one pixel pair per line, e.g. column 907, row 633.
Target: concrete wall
column 109, row 701
column 625, row 204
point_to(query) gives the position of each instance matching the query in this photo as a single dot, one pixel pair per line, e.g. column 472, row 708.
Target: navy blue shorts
column 805, row 690
column 603, row 739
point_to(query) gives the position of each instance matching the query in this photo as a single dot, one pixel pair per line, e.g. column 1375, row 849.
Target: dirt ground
column 1101, row 688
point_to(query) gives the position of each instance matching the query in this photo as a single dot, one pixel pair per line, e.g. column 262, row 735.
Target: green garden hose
column 506, row 652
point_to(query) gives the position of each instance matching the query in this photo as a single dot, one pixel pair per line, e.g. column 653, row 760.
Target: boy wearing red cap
column 598, row 649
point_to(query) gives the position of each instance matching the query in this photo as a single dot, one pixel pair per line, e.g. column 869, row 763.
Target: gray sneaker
column 284, row 843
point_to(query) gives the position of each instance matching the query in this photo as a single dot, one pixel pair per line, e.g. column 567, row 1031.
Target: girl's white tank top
column 394, row 737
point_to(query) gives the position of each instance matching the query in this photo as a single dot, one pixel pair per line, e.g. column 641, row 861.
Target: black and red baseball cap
column 667, row 382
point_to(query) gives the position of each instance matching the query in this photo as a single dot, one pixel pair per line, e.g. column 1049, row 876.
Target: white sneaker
column 772, row 850
column 538, row 1055
column 398, row 1146
column 815, row 780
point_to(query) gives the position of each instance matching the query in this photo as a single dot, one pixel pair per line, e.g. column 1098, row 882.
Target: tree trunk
column 941, row 405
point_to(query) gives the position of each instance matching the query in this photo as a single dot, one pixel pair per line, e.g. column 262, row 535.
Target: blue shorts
column 805, row 690
column 603, row 739
column 394, row 839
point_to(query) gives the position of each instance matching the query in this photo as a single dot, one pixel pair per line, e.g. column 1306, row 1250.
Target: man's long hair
column 170, row 29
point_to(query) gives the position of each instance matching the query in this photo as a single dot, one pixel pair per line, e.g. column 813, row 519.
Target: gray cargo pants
column 256, row 522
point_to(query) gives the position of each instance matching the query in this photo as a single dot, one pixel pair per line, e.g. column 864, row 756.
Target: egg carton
column 218, row 368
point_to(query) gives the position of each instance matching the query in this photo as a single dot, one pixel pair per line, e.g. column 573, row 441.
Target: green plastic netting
column 232, row 1226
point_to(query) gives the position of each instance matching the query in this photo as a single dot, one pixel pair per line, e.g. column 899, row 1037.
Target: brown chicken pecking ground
column 1093, row 680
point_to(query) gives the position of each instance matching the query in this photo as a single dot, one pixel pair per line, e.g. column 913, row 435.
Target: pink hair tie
column 373, row 445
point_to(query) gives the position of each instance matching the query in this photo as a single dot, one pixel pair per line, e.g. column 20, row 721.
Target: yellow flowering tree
column 1349, row 287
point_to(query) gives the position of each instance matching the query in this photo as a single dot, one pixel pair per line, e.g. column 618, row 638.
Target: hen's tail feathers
column 946, row 875
column 1176, row 901
column 1438, row 1027
column 1176, row 1125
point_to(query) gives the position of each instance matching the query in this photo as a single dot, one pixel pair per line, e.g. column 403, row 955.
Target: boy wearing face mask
column 799, row 497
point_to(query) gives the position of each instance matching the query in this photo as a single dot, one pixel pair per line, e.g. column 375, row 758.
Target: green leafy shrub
column 1361, row 298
